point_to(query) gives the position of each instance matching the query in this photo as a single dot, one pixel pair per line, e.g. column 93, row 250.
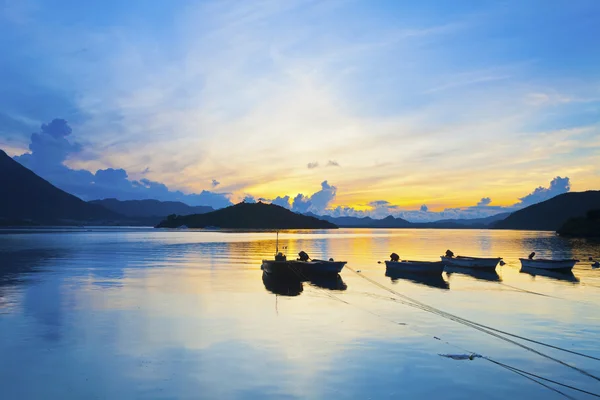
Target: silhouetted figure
column 532, row 255
column 394, row 257
column 449, row 253
column 302, row 256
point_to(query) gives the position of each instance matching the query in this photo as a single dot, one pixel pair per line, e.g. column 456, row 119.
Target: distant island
column 248, row 216
column 551, row 214
column 585, row 227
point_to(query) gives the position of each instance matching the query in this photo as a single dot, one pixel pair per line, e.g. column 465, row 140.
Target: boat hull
column 471, row 262
column 302, row 269
column 558, row 265
column 421, row 267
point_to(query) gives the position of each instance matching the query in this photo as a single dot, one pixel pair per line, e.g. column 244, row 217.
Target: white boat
column 541, row 263
column 423, row 267
column 471, row 262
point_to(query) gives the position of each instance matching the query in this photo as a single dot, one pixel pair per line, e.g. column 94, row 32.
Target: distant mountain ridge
column 551, row 214
column 392, row 222
column 248, row 216
column 26, row 198
column 150, row 208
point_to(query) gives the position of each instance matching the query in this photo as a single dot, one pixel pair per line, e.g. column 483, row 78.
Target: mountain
column 248, row 216
column 364, row 222
column 150, row 208
column 474, row 222
column 26, row 198
column 551, row 214
column 587, row 227
column 391, row 222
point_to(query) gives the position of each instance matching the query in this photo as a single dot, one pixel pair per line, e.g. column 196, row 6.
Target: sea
column 142, row 313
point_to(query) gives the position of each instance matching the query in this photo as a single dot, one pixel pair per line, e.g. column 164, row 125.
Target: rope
column 482, row 328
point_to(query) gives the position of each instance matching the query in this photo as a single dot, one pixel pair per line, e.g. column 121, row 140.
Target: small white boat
column 471, row 262
column 541, row 263
column 422, row 267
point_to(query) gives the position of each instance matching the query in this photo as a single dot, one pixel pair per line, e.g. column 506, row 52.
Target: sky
column 424, row 110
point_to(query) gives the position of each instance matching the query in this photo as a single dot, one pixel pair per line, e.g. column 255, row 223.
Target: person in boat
column 302, row 256
column 394, row 257
column 532, row 255
column 449, row 254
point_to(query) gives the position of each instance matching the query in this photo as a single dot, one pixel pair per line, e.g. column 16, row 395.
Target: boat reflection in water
column 559, row 275
column 431, row 280
column 293, row 285
column 281, row 286
column 480, row 274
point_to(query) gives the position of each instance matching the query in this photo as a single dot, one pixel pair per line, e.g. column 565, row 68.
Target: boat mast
column 277, row 244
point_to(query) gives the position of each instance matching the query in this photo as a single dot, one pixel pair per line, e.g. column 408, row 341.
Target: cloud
column 312, row 165
column 282, row 201
column 215, row 183
column 557, row 186
column 333, row 163
column 424, row 208
column 484, row 202
column 146, row 171
column 50, row 148
column 249, row 199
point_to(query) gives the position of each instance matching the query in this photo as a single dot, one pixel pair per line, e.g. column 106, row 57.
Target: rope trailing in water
column 528, row 375
column 514, row 369
column 480, row 327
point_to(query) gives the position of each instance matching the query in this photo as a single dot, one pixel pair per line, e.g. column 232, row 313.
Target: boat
column 318, row 267
column 303, row 267
column 471, row 262
column 394, row 264
column 541, row 263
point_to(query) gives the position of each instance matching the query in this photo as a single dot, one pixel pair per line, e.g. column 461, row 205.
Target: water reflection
column 287, row 285
column 480, row 274
column 436, row 281
column 282, row 286
column 567, row 276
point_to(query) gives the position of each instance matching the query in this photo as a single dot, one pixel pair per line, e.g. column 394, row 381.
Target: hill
column 474, row 222
column 26, row 198
column 364, row 222
column 587, row 227
column 248, row 216
column 150, row 208
column 551, row 214
column 391, row 222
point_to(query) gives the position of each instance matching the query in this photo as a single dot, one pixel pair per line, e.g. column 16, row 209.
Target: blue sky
column 431, row 102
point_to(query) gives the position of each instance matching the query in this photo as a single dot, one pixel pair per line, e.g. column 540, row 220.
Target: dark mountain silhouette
column 150, row 208
column 474, row 222
column 364, row 222
column 26, row 198
column 248, row 216
column 588, row 227
column 391, row 222
column 551, row 214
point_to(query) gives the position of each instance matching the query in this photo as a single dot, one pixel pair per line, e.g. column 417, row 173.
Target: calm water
column 141, row 313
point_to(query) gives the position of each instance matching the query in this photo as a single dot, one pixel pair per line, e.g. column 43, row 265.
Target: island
column 248, row 216
column 583, row 227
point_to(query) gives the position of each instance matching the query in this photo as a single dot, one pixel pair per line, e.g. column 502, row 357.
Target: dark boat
column 302, row 267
